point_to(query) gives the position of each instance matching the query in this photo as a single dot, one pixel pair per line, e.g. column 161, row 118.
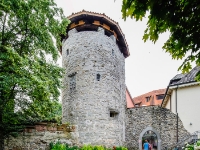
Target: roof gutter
column 184, row 84
column 178, row 86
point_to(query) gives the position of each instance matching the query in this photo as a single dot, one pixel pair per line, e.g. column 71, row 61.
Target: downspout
column 176, row 97
column 170, row 102
column 176, row 116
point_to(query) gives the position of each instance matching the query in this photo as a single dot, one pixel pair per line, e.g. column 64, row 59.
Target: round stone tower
column 93, row 95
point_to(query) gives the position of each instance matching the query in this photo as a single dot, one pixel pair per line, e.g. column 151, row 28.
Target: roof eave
column 172, row 87
column 114, row 23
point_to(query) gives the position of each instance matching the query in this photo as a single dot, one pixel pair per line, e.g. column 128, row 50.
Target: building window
column 72, row 82
column 113, row 52
column 67, row 52
column 148, row 98
column 98, row 77
column 113, row 114
column 160, row 97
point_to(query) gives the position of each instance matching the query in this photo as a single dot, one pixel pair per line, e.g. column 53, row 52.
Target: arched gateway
column 156, row 133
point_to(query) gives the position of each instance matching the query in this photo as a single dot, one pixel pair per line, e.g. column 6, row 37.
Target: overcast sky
column 148, row 67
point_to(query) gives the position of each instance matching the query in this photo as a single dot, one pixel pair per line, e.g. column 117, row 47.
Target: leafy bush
column 121, row 148
column 90, row 147
column 59, row 146
column 195, row 146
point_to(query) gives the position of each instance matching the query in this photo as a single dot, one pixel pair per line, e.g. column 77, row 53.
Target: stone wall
column 161, row 120
column 94, row 87
column 39, row 137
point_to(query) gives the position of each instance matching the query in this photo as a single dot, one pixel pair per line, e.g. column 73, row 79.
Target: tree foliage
column 36, row 112
column 29, row 82
column 180, row 17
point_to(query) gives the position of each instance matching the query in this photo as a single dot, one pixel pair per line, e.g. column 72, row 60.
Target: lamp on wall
column 190, row 123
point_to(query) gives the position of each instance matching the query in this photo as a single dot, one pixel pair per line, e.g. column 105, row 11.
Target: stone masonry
column 38, row 137
column 162, row 120
column 93, row 96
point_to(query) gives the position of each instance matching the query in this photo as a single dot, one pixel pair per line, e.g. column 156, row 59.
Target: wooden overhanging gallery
column 89, row 21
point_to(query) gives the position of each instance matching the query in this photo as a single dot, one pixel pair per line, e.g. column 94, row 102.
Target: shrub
column 121, row 148
column 90, row 147
column 195, row 146
column 59, row 146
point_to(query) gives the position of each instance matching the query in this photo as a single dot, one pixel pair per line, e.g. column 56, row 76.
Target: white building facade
column 183, row 98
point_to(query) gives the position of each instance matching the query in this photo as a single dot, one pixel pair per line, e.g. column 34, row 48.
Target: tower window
column 113, row 114
column 72, row 82
column 98, row 77
column 67, row 52
column 113, row 52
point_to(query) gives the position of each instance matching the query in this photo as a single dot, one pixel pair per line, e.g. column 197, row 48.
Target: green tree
column 29, row 82
column 36, row 113
column 180, row 17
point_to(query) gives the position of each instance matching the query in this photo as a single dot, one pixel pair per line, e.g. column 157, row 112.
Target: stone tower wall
column 88, row 102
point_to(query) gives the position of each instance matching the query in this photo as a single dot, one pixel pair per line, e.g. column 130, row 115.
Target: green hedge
column 59, row 146
column 195, row 146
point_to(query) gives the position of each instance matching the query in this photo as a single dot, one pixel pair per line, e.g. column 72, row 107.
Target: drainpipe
column 177, row 129
column 176, row 116
column 170, row 102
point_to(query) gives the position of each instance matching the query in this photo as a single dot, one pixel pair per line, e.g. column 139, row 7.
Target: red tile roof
column 141, row 100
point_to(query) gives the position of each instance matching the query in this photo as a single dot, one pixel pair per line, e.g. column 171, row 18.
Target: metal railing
column 192, row 138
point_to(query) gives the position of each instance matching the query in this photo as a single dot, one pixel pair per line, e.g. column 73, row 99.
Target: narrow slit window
column 98, row 77
column 113, row 52
column 67, row 52
column 72, row 83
